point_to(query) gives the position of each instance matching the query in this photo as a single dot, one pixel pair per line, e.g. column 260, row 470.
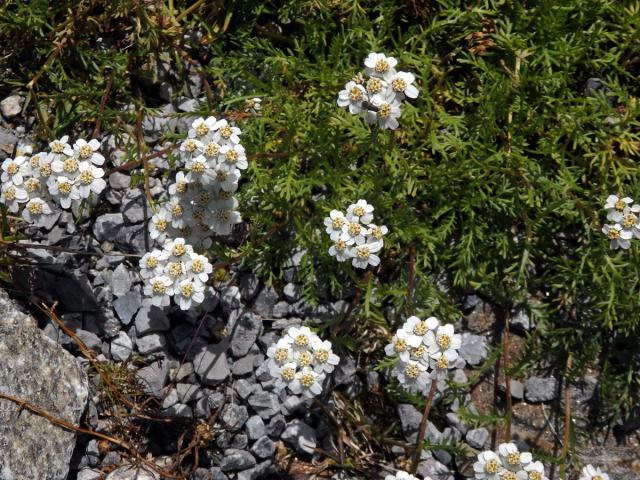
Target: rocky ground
column 198, row 380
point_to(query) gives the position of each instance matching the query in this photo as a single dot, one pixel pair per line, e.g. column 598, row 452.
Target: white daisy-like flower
column 335, row 223
column 442, row 362
column 615, row 207
column 226, row 180
column 593, row 473
column 202, row 127
column 364, row 253
column 488, row 466
column 88, row 151
column 226, row 133
column 352, row 97
column 354, row 232
column 14, row 170
column 175, row 211
column 60, row 147
column 191, row 148
column 177, row 250
column 361, row 211
column 388, row 110
column 64, row 190
column 159, row 225
column 412, row 375
column 630, row 221
column 340, row 250
column 197, row 168
column 44, row 169
column 401, row 342
column 68, row 166
column 376, row 86
column 378, row 232
column 299, row 337
column 379, row 65
column 443, row 339
column 233, row 157
column 307, row 383
column 90, row 179
column 401, row 475
column 180, row 186
column 402, row 84
column 211, row 150
column 35, row 209
column 159, row 289
column 253, row 105
column 188, row 292
column 151, row 264
column 199, row 267
column 33, row 186
column 223, row 221
column 618, row 236
column 12, row 196
column 284, row 374
column 535, row 471
column 511, row 458
column 280, row 353
column 420, row 328
column 419, row 353
column 324, row 360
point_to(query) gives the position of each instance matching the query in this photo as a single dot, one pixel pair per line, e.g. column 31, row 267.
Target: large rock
column 36, row 369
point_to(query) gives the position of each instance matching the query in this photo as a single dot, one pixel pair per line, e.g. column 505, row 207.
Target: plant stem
column 507, row 378
column 566, row 434
column 423, row 427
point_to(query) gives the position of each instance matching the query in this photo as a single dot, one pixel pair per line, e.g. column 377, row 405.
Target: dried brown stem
column 567, row 409
column 103, row 104
column 423, row 427
column 507, row 378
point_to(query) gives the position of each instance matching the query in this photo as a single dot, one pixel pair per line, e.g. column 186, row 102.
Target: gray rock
column 90, row 339
column 178, row 410
column 8, row 141
column 133, row 206
column 255, row 427
column 276, row 426
column 520, row 321
column 477, row 437
column 119, row 181
column 300, row 436
column 230, row 298
column 433, row 469
column 182, row 371
column 244, row 388
column 261, row 471
column 121, row 347
column 474, row 348
column 244, row 366
column 291, row 292
column 107, row 226
column 154, row 377
column 201, row 409
column 188, row 105
column 454, row 420
column 249, row 285
column 120, row 281
column 410, row 419
column 89, row 474
column 265, row 404
column 154, row 342
column 210, row 363
column 188, row 392
column 215, row 400
column 345, row 371
column 130, row 472
column 127, row 305
column 151, row 319
column 244, row 329
column 540, row 389
column 36, row 369
column 217, row 474
column 171, row 399
column 280, row 310
column 265, row 301
column 11, row 106
column 235, row 460
column 517, row 389
column 292, row 404
column 263, row 448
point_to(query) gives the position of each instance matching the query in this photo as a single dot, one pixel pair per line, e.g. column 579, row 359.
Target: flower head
column 590, row 472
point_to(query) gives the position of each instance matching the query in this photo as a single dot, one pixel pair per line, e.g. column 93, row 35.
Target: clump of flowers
column 175, row 271
column 202, row 201
column 507, row 463
column 379, row 96
column 626, row 224
column 61, row 177
column 253, row 106
column 593, row 473
column 401, row 475
column 354, row 235
column 424, row 350
column 300, row 361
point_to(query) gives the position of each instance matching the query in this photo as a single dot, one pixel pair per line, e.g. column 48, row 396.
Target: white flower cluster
column 175, row 271
column 253, row 106
column 426, row 350
column 401, row 475
column 202, row 198
column 64, row 176
column 354, row 237
column 382, row 94
column 626, row 225
column 508, row 463
column 300, row 360
column 593, row 473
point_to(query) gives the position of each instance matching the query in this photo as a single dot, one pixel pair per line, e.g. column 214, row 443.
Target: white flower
column 227, row 180
column 412, row 375
column 90, row 179
column 188, row 292
column 307, row 383
column 364, row 253
column 223, row 221
column 488, row 466
column 199, row 267
column 442, row 362
column 443, row 339
column 177, row 250
column 60, row 147
column 198, row 169
column 401, row 84
column 340, row 250
column 64, row 190
column 388, row 110
column 233, row 157
column 253, row 105
column 35, row 209
column 151, row 264
column 201, row 127
column 354, row 232
column 324, row 360
column 379, row 65
column 12, row 196
column 511, row 458
column 299, row 338
column 335, row 222
column 352, row 96
column 402, row 342
column 615, row 207
column 280, row 353
column 66, row 165
column 401, row 475
column 629, row 221
column 420, row 328
column 32, row 186
column 14, row 170
column 378, row 232
column 180, row 186
column 160, row 289
column 225, row 133
column 620, row 238
column 88, row 151
column 284, row 374
column 175, row 212
column 211, row 150
column 158, row 225
column 361, row 211
column 191, row 148
column 535, row 471
column 592, row 473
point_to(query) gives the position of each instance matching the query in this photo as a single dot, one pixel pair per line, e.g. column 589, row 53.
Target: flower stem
column 423, row 427
column 507, row 378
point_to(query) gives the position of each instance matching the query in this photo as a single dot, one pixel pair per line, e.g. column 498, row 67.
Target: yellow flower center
column 64, row 187
column 158, row 287
column 420, row 329
column 224, row 195
column 305, row 359
column 340, row 245
column 197, row 266
column 10, row 193
column 86, row 177
column 175, row 269
column 620, row 205
column 176, row 210
column 374, row 85
column 57, row 147
column 190, row 145
column 398, row 85
column 211, row 149
column 358, row 211
column 85, row 151
column 152, row 262
column 204, row 198
column 418, row 352
column 491, row 466
column 535, row 475
column 384, row 110
column 376, row 232
column 355, row 94
column 35, row 208
column 412, row 370
column 225, row 131
column 513, row 458
column 70, row 165
column 202, row 129
column 12, row 168
column 613, row 234
column 223, row 215
column 354, row 229
column 596, row 477
column 509, row 476
column 186, row 289
column 442, row 362
column 45, row 170
column 306, row 380
column 362, row 252
column 181, row 186
column 231, row 156
column 443, row 341
column 178, row 250
column 301, row 340
column 400, row 345
column 198, row 215
column 281, row 355
column 337, row 223
column 321, row 356
column 288, row 374
column 35, row 161
column 32, row 185
column 161, row 224
column 382, row 66
column 221, row 175
column 198, row 167
column 629, row 220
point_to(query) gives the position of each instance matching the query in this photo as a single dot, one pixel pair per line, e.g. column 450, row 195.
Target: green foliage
column 496, row 178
